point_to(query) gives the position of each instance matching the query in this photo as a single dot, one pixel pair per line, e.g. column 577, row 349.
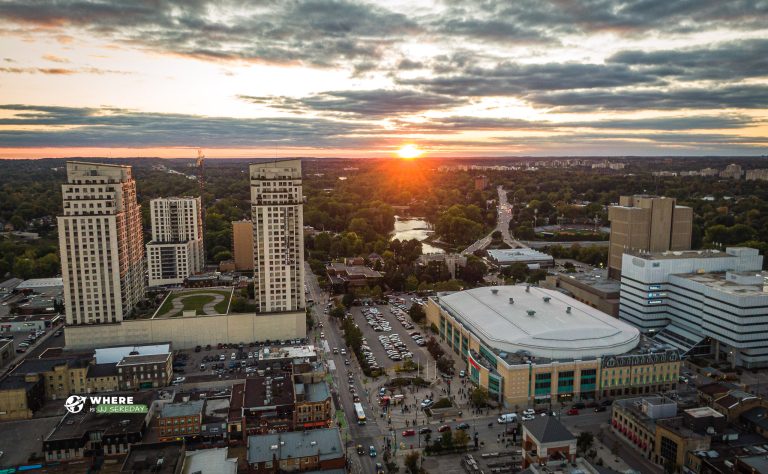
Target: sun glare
column 409, row 152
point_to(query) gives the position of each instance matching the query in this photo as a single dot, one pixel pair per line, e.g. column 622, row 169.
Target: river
column 415, row 228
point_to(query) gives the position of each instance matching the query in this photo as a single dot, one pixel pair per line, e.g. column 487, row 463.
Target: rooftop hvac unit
column 527, row 288
column 494, row 291
column 531, row 312
column 546, row 299
column 568, row 310
column 511, row 301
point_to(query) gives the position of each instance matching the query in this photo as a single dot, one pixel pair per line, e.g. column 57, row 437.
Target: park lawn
column 195, row 300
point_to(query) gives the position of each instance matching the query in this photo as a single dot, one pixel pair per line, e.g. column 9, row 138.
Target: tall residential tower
column 278, row 238
column 176, row 250
column 101, row 243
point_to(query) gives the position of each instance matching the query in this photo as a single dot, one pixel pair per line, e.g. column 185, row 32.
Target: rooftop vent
column 495, row 291
column 531, row 312
column 527, row 288
column 546, row 299
column 568, row 310
column 273, row 447
column 511, row 301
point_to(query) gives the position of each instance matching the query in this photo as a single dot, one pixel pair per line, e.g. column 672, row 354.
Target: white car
column 178, row 380
column 529, row 412
column 427, row 403
column 528, row 417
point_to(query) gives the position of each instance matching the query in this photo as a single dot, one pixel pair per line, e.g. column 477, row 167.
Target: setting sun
column 409, row 152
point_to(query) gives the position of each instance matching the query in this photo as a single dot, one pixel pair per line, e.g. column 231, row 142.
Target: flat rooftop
column 204, row 301
column 723, row 283
column 113, row 355
column 519, row 255
column 597, row 279
column 190, row 408
column 325, row 443
column 268, row 391
column 538, row 321
column 678, row 254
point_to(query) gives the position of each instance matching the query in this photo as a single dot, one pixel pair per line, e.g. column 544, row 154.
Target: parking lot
column 221, row 361
column 385, row 332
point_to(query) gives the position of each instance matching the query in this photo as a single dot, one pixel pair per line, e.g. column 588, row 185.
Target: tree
column 479, row 397
column 447, row 441
column 474, row 270
column 412, row 462
column 584, row 441
column 460, row 439
column 337, row 312
column 496, row 235
column 417, row 314
column 347, row 300
column 445, row 365
column 411, row 283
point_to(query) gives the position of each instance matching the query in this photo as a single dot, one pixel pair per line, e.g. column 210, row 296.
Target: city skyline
column 365, row 79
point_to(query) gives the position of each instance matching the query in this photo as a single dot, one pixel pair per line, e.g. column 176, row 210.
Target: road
column 504, row 216
column 370, row 433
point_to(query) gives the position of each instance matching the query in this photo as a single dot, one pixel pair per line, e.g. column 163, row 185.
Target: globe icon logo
column 74, row 404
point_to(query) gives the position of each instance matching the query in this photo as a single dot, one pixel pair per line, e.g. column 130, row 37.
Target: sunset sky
column 361, row 79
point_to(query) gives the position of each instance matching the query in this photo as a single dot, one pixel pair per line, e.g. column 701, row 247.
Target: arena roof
column 542, row 327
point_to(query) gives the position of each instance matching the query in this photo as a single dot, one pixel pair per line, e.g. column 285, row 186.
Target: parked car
column 573, row 411
column 462, row 426
column 443, row 429
column 425, row 430
column 409, row 433
column 600, row 408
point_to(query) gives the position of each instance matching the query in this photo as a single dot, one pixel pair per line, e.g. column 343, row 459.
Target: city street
column 504, row 215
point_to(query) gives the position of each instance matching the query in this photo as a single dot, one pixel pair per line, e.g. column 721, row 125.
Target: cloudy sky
column 362, row 78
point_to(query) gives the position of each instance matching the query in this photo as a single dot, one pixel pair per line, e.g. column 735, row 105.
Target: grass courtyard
column 202, row 301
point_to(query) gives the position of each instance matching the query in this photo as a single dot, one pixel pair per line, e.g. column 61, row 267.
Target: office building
column 101, row 243
column 242, row 245
column 278, row 235
column 532, row 258
column 181, row 420
column 533, row 346
column 176, row 250
column 649, row 223
column 700, row 301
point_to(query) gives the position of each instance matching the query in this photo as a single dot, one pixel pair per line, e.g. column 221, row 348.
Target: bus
column 360, row 413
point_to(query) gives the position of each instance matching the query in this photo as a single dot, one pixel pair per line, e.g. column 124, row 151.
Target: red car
column 409, row 433
column 444, row 428
column 573, row 411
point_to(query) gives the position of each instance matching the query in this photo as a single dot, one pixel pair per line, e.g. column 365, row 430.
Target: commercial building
column 145, row 371
column 155, row 458
column 700, row 301
column 61, row 377
column 278, row 235
column 101, row 243
column 344, row 277
column 530, row 257
column 315, row 450
column 268, row 403
column 242, row 245
column 652, row 426
column 313, row 406
column 176, row 250
column 593, row 288
column 21, row 396
column 92, row 434
column 181, row 420
column 647, row 223
column 529, row 345
column 546, row 439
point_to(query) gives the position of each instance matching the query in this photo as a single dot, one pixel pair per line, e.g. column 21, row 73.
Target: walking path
column 178, row 303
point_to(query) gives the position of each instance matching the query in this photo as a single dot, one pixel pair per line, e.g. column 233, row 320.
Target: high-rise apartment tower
column 176, row 250
column 278, row 239
column 647, row 223
column 101, row 243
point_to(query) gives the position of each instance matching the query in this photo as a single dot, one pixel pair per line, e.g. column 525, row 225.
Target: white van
column 508, row 418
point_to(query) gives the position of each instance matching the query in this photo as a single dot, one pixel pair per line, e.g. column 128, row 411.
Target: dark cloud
column 513, row 79
column 508, row 19
column 110, row 127
column 317, row 32
column 734, row 60
column 373, row 103
column 461, row 124
column 737, row 96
